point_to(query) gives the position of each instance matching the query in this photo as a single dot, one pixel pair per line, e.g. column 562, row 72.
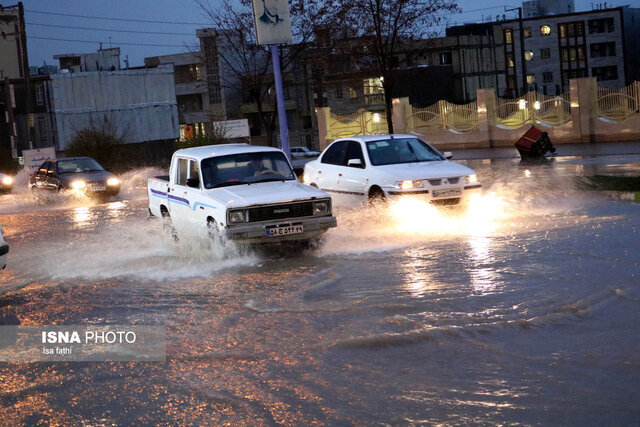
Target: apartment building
column 600, row 43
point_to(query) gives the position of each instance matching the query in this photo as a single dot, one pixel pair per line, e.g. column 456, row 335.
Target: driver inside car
column 256, row 167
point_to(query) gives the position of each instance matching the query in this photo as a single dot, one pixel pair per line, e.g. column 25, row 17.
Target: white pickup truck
column 239, row 192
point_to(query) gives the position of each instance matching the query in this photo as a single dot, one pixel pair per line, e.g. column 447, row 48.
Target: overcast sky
column 51, row 28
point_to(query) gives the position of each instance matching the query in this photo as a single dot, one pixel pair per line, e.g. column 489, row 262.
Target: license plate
column 98, row 187
column 454, row 192
column 283, row 231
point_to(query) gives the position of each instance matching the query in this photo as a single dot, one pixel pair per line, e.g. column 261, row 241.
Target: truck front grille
column 289, row 210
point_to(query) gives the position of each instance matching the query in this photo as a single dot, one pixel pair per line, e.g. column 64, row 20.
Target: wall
column 140, row 105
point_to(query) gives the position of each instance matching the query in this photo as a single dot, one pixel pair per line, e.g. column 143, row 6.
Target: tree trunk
column 388, row 101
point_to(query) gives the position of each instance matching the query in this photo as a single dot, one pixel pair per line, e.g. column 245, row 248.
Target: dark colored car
column 6, row 183
column 81, row 174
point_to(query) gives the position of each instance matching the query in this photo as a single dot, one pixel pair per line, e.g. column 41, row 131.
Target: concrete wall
column 138, row 105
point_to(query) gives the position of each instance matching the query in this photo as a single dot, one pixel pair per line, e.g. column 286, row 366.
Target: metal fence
column 619, row 104
column 533, row 107
column 362, row 122
column 443, row 115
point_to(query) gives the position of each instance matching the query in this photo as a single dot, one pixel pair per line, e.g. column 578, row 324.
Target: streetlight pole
column 282, row 113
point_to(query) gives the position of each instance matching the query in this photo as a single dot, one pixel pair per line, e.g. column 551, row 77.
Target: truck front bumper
column 257, row 233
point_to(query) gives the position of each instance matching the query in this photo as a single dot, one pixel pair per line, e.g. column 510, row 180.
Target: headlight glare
column 7, row 180
column 321, row 208
column 236, row 217
column 112, row 182
column 408, row 184
column 471, row 179
column 77, row 185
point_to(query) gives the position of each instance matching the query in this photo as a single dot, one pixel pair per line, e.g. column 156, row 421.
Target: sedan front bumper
column 437, row 194
column 257, row 233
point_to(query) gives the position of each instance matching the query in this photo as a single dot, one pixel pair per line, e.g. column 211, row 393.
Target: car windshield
column 78, row 165
column 401, row 150
column 246, row 168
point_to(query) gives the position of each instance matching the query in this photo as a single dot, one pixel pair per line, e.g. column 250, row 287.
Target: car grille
column 289, row 210
column 439, row 181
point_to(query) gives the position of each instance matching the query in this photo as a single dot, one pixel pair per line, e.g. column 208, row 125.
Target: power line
column 110, row 30
column 118, row 19
column 105, row 42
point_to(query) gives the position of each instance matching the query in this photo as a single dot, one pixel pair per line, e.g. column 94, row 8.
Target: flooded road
column 522, row 308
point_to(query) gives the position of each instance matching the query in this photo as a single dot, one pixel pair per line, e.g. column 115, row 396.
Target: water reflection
column 82, row 216
column 417, row 282
column 481, row 256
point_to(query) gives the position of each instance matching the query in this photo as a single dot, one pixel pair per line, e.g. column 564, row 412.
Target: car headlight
column 112, row 182
column 7, row 180
column 408, row 185
column 236, row 217
column 322, row 207
column 77, row 185
column 471, row 179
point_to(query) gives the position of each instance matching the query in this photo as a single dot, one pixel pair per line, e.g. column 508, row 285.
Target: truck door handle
column 339, row 174
column 319, row 171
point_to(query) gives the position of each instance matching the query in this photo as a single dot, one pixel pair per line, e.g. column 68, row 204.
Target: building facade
column 191, row 87
column 598, row 43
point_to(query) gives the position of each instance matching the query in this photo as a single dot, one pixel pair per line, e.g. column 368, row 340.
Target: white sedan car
column 4, row 250
column 381, row 167
column 303, row 152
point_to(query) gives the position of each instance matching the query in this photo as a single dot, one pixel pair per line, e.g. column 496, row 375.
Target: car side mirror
column 193, row 182
column 448, row 155
column 355, row 163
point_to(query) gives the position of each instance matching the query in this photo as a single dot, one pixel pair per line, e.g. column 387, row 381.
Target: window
column 531, row 78
column 508, row 36
column 528, row 55
column 510, row 62
column 401, row 150
column 547, row 76
column 545, row 53
column 527, row 32
column 183, row 171
column 42, row 129
column 354, row 151
column 335, row 153
column 511, row 82
column 603, row 49
column 605, row 73
column 545, row 30
column 604, row 25
column 445, row 58
column 194, row 170
column 339, row 93
column 563, row 31
column 574, row 74
column 352, row 93
column 40, row 94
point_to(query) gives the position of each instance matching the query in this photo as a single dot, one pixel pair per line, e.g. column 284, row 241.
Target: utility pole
column 25, row 69
column 522, row 57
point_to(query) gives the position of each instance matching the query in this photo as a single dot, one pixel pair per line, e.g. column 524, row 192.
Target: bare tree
column 247, row 64
column 389, row 24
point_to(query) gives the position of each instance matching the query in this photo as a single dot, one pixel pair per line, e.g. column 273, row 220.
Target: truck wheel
column 168, row 227
column 214, row 232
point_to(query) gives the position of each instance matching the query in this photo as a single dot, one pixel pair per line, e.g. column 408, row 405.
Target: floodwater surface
column 523, row 307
